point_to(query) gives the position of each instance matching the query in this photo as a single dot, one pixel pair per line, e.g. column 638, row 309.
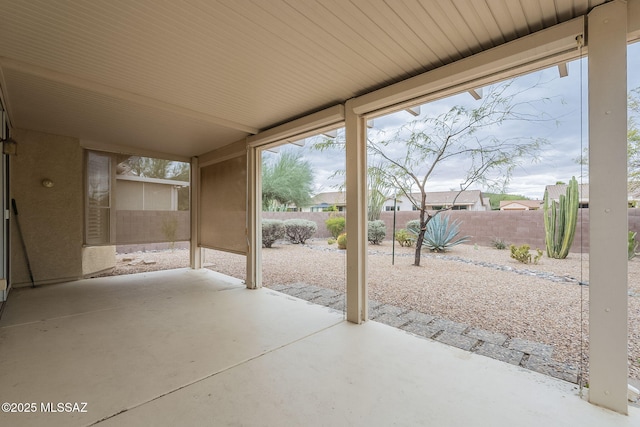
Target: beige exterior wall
column 129, row 195
column 158, row 197
column 51, row 218
column 149, row 196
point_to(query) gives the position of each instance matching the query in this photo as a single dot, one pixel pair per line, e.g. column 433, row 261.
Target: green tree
column 379, row 191
column 156, row 168
column 287, row 179
column 462, row 139
column 496, row 198
column 378, row 186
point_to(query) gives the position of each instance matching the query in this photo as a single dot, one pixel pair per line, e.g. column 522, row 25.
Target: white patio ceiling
column 184, row 78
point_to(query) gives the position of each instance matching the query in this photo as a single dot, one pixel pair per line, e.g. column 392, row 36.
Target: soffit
column 188, row 77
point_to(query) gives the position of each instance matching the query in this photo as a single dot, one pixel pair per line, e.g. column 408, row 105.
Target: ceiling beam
column 476, row 93
column 319, row 122
column 563, row 70
column 532, row 52
column 112, row 92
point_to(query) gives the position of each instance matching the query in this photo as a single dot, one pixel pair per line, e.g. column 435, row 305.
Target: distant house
column 324, row 201
column 137, row 193
column 470, row 200
column 555, row 191
column 520, row 205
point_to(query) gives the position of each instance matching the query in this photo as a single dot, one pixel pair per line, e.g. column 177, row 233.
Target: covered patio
column 192, row 347
column 214, row 84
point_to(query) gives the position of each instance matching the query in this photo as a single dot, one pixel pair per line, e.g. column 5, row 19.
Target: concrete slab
column 192, row 348
column 158, row 332
column 372, row 374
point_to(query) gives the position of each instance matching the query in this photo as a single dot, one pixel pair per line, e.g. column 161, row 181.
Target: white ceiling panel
column 210, row 72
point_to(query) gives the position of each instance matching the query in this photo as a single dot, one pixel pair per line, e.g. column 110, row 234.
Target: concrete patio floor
column 189, row 348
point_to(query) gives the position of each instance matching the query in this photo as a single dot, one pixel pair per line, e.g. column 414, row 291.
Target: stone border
column 520, row 352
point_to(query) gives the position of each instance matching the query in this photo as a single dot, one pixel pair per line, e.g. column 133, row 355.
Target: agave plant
column 440, row 234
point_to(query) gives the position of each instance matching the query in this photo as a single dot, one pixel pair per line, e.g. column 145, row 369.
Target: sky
column 557, row 99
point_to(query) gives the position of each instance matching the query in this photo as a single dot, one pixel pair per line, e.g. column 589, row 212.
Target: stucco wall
column 51, row 218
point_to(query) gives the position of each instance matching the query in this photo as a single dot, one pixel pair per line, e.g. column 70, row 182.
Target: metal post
column 393, row 236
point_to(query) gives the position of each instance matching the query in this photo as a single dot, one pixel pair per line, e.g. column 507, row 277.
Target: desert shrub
column 440, row 235
column 342, row 241
column 632, row 245
column 523, row 255
column 170, row 231
column 272, row 230
column 331, row 241
column 299, row 230
column 335, row 225
column 499, row 243
column 405, row 238
column 413, row 227
column 376, row 230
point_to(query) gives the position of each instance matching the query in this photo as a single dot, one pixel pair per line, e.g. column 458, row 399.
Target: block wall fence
column 514, row 227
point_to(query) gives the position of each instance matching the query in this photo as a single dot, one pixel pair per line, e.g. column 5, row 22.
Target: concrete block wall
column 514, row 227
column 147, row 226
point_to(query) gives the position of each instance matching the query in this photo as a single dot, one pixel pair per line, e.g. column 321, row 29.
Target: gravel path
column 479, row 286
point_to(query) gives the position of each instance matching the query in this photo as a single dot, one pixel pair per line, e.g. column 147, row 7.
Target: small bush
column 405, row 238
column 331, row 241
column 632, row 245
column 342, row 241
column 272, row 230
column 499, row 243
column 299, row 230
column 523, row 255
column 413, row 227
column 335, row 225
column 376, row 230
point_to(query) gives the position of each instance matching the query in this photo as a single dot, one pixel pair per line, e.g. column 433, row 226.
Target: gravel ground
column 514, row 302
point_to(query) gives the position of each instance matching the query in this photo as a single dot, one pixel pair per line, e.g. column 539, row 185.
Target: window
column 98, row 199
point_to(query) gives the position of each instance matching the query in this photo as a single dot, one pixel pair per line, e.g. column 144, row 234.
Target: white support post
column 254, row 212
column 195, row 254
column 356, row 183
column 608, row 227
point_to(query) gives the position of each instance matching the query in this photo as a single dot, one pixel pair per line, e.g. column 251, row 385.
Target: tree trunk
column 420, row 239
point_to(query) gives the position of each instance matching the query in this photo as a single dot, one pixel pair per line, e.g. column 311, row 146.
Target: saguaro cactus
column 560, row 220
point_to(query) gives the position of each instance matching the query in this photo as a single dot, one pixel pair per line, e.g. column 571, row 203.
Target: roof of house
column 555, row 191
column 331, row 198
column 468, row 197
column 531, row 204
column 152, row 180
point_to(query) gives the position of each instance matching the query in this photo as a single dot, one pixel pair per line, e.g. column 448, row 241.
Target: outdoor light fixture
column 47, row 183
column 9, row 147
